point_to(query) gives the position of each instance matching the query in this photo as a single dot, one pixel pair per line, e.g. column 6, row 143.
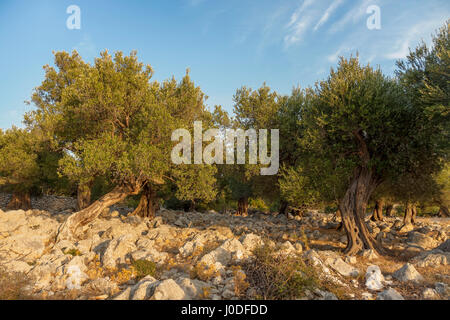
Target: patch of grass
column 73, row 252
column 144, row 268
column 278, row 277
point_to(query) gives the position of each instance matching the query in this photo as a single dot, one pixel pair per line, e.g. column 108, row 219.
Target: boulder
column 445, row 246
column 117, row 250
column 223, row 254
column 374, row 278
column 430, row 294
column 17, row 266
column 168, row 290
column 389, row 294
column 407, row 273
column 342, row 268
column 251, row 241
column 421, row 240
column 142, row 290
column 192, row 287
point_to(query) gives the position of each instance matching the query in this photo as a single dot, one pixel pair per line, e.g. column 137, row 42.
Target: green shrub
column 144, row 268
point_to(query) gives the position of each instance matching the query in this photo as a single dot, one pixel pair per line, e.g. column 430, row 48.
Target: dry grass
column 13, row 286
column 277, row 277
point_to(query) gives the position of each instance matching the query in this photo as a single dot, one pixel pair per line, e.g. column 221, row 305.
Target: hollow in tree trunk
column 19, row 201
column 148, row 203
column 443, row 211
column 242, row 206
column 68, row 229
column 410, row 214
column 83, row 196
column 353, row 207
column 378, row 211
column 283, row 207
column 389, row 208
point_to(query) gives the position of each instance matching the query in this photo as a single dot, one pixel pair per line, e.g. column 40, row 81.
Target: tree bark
column 283, row 207
column 410, row 214
column 83, row 196
column 19, row 201
column 443, row 211
column 147, row 204
column 338, row 215
column 353, row 207
column 378, row 211
column 68, row 229
column 389, row 208
column 242, row 206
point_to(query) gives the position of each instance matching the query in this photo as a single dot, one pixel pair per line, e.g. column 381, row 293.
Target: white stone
column 374, row 278
column 407, row 273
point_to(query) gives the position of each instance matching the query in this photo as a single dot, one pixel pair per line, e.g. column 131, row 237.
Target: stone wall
column 53, row 204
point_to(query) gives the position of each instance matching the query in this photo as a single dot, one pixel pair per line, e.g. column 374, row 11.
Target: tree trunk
column 414, row 214
column 19, row 201
column 353, row 207
column 147, row 204
column 242, row 206
column 443, row 211
column 283, row 207
column 338, row 215
column 410, row 214
column 83, row 196
column 68, row 229
column 378, row 211
column 389, row 208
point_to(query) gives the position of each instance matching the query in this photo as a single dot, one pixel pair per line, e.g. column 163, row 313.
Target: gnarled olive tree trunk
column 68, row 229
column 338, row 215
column 148, row 203
column 83, row 196
column 242, row 206
column 443, row 211
column 353, row 208
column 283, row 207
column 389, row 208
column 19, row 201
column 378, row 211
column 410, row 214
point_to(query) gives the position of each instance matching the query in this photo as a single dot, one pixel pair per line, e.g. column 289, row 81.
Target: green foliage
column 113, row 122
column 144, row 268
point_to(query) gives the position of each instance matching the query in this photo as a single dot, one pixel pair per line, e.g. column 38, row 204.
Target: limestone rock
column 407, row 273
column 374, row 278
column 389, row 294
column 168, row 290
column 342, row 268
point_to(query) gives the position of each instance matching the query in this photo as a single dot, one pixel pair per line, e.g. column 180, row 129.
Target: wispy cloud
column 294, row 17
column 334, row 5
column 297, row 31
column 354, row 15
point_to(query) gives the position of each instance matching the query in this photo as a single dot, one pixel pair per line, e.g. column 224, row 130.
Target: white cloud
column 297, row 31
column 334, row 5
column 294, row 17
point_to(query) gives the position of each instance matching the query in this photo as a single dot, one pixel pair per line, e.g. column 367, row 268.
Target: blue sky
column 226, row 44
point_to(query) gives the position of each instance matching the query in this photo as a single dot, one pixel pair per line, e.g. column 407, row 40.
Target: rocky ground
column 195, row 255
